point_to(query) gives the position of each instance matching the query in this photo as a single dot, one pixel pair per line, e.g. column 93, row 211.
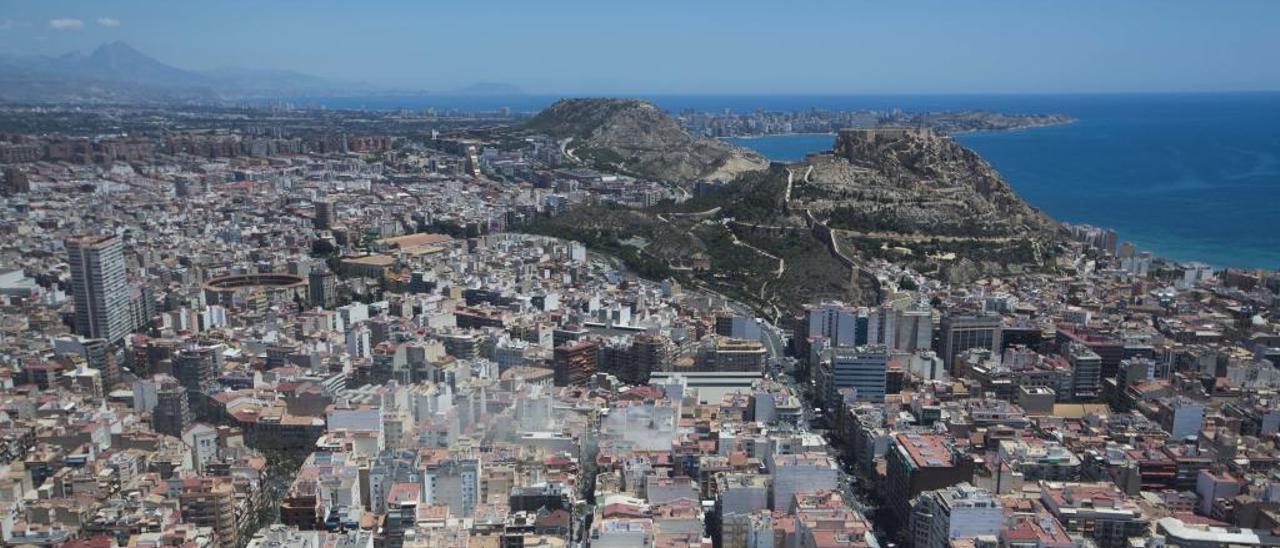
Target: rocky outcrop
column 638, row 138
column 788, row 235
column 915, row 181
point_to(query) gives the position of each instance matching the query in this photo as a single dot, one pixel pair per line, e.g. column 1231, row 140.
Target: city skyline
column 709, row 48
column 385, row 286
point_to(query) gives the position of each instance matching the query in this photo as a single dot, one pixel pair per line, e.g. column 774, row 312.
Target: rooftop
column 927, row 450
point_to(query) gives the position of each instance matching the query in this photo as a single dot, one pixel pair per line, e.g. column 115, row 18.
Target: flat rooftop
column 371, row 260
column 414, row 240
column 927, row 450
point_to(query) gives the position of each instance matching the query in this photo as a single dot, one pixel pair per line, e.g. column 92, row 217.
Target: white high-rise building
column 99, row 286
column 354, row 313
column 957, row 512
column 863, row 369
column 359, row 342
column 882, row 326
column 926, row 365
column 738, row 497
column 1186, row 416
column 454, row 483
column 801, row 473
column 834, row 321
column 213, row 317
column 915, row 329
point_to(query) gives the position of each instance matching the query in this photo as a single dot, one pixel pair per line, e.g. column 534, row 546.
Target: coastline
column 748, row 136
column 1015, row 129
column 1162, row 249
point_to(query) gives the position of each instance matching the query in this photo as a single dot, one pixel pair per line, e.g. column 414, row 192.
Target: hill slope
column 636, row 137
column 792, row 234
column 913, row 181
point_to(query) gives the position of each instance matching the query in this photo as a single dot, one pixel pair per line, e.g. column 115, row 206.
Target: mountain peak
column 119, row 53
column 118, row 72
column 120, row 61
column 119, row 45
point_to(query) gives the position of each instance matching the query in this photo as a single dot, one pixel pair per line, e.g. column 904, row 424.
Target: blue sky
column 693, row 46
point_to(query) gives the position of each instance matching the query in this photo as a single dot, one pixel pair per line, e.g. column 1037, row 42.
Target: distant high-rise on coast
column 99, row 285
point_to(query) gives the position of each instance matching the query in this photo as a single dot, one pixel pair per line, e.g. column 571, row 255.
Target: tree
column 323, row 248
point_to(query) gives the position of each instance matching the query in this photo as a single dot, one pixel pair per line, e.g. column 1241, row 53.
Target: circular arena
column 254, row 290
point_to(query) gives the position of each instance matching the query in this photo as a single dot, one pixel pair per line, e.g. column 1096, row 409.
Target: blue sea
column 1186, row 176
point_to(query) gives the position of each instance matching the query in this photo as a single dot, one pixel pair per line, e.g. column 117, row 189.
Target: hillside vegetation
column 637, row 138
column 781, row 237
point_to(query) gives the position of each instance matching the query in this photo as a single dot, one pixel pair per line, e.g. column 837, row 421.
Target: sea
column 1190, row 177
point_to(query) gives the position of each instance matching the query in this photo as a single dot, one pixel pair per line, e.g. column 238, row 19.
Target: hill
column 792, row 234
column 912, row 181
column 638, row 138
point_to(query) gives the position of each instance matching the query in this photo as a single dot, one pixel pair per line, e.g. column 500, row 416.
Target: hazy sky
column 692, row 46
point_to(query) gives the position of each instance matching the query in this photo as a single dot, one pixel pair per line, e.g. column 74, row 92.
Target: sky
column 691, row 46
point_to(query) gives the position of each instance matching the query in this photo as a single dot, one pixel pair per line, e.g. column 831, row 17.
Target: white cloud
column 108, row 21
column 65, row 23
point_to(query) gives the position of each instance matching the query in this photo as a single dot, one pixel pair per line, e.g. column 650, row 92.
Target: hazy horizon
column 667, row 48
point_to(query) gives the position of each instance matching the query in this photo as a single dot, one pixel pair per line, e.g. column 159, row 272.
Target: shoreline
column 749, row 136
column 1016, row 129
column 1157, row 255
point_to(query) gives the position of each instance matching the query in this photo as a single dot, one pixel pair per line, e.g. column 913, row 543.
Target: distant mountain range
column 488, row 88
column 116, row 72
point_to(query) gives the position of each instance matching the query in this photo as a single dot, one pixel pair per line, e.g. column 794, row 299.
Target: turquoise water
column 1189, row 177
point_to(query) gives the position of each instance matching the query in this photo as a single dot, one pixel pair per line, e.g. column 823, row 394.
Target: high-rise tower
column 99, row 286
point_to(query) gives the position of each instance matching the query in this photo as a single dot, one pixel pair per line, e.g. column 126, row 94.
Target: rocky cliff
column 914, row 181
column 921, row 199
column 638, row 138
